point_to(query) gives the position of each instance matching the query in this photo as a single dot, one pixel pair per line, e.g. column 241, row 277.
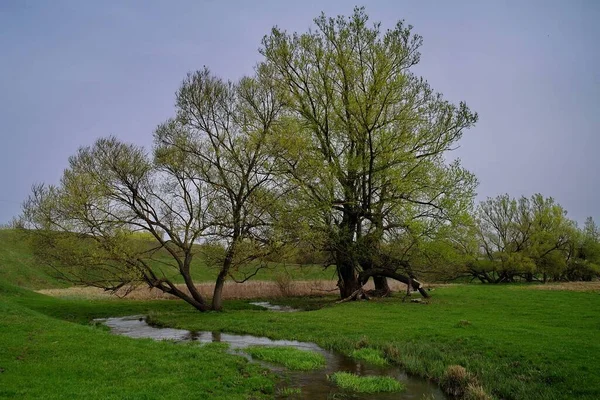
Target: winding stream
column 314, row 384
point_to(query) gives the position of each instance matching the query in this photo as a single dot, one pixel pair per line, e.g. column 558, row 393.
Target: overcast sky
column 74, row 71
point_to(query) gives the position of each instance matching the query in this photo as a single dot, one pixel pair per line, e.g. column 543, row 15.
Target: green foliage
column 289, row 357
column 365, row 140
column 525, row 239
column 366, row 384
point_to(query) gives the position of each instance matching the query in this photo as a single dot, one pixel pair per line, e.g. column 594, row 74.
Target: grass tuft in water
column 372, row 356
column 289, row 391
column 366, row 384
column 289, row 357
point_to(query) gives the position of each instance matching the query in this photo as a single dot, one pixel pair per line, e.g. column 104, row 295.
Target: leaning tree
column 368, row 145
column 207, row 181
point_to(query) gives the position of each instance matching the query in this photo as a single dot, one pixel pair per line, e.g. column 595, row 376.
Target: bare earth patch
column 572, row 286
column 232, row 290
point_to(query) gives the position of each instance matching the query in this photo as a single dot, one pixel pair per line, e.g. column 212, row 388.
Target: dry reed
column 570, row 286
column 232, row 290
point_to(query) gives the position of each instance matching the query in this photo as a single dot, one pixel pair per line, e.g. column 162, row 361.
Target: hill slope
column 18, row 265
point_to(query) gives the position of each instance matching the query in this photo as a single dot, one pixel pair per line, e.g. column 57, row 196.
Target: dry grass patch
column 458, row 382
column 476, row 392
column 232, row 290
column 570, row 286
column 455, row 381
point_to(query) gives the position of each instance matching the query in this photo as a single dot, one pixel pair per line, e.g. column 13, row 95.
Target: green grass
column 516, row 343
column 289, row 357
column 45, row 356
column 371, row 356
column 519, row 343
column 365, row 384
column 18, row 265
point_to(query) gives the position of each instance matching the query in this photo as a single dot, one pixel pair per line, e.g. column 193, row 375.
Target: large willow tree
column 368, row 145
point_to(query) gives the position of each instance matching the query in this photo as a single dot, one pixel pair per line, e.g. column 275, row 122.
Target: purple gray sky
column 74, row 71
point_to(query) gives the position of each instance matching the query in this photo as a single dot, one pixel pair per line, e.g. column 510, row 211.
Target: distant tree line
column 531, row 239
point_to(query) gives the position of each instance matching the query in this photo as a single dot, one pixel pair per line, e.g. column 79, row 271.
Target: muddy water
column 314, row 384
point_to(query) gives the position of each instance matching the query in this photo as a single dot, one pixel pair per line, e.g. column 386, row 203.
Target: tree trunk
column 189, row 282
column 381, row 285
column 347, row 279
column 168, row 287
column 217, row 300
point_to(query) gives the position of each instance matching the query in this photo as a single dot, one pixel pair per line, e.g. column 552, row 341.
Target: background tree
column 583, row 263
column 527, row 239
column 369, row 141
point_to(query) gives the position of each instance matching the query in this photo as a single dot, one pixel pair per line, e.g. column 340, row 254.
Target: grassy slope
column 520, row 343
column 19, row 267
column 46, row 357
column 202, row 273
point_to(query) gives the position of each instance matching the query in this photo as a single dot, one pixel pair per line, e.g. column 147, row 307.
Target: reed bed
column 232, row 290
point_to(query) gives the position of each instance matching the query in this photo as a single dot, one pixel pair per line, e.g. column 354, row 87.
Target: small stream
column 274, row 307
column 314, row 384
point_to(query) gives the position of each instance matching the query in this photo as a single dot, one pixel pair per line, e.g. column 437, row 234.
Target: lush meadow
column 514, row 341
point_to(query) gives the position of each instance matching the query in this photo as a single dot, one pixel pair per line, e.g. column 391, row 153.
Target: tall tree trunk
column 344, row 255
column 347, row 279
column 217, row 300
column 189, row 283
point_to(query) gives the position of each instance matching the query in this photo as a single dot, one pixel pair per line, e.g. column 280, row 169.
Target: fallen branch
column 357, row 294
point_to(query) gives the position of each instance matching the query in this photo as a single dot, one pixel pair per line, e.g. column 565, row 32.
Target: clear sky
column 74, row 71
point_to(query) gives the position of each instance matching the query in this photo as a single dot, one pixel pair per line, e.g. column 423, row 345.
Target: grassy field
column 518, row 343
column 46, row 356
column 515, row 342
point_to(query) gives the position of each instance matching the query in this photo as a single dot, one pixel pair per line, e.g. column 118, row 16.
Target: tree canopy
column 369, row 139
